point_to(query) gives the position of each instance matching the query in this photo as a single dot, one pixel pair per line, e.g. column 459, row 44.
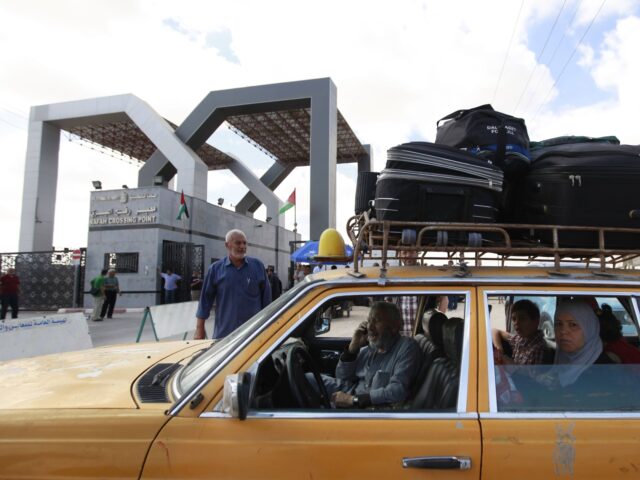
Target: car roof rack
column 497, row 244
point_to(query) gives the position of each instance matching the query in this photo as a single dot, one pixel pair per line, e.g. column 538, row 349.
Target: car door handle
column 439, row 463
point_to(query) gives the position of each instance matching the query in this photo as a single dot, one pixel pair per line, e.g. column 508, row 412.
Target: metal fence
column 48, row 280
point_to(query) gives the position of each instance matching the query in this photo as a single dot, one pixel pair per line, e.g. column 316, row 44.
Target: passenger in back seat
column 527, row 344
column 614, row 344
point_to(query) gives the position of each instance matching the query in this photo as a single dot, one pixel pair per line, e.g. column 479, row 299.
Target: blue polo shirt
column 239, row 293
column 170, row 281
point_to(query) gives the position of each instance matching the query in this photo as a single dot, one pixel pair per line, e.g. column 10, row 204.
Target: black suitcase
column 435, row 183
column 568, row 139
column 487, row 134
column 584, row 184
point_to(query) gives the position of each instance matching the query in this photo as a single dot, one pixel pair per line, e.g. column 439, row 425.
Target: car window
column 588, row 367
column 416, row 370
column 629, row 328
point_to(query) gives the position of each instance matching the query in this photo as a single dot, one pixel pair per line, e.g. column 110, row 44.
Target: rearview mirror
column 235, row 396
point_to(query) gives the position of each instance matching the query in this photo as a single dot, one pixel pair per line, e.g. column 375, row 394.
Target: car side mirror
column 235, row 396
column 322, row 324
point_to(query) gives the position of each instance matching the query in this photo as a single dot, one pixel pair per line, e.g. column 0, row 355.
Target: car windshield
column 220, row 349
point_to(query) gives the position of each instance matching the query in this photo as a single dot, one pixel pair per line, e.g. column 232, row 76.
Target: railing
column 495, row 244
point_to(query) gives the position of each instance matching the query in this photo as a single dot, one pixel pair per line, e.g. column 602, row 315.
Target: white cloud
column 615, row 67
column 586, row 55
column 398, row 68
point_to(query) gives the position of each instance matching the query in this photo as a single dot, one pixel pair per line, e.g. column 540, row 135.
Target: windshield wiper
column 196, row 355
column 164, row 374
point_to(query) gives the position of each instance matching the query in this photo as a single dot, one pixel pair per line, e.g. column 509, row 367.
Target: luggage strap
column 510, row 149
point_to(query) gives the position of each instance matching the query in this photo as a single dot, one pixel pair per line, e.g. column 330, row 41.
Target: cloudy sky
column 566, row 66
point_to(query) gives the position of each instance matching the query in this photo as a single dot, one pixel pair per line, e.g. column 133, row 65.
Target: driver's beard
column 384, row 342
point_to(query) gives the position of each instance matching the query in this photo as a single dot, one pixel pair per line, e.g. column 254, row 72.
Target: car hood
column 97, row 378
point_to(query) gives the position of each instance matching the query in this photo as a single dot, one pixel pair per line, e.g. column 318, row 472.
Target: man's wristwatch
column 354, row 401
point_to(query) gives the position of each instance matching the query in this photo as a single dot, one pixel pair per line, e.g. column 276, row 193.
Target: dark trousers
column 171, row 296
column 109, row 302
column 9, row 300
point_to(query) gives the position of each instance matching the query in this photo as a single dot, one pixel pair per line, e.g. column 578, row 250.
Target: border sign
column 30, row 337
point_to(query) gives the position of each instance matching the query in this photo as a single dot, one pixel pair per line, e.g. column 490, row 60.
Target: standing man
column 111, row 290
column 274, row 281
column 97, row 291
column 170, row 285
column 408, row 304
column 9, row 290
column 239, row 286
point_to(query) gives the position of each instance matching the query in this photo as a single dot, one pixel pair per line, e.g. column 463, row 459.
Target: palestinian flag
column 183, row 207
column 291, row 202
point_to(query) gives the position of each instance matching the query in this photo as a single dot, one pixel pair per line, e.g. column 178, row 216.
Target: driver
column 379, row 365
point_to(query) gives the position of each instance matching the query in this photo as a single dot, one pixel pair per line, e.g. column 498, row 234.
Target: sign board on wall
column 22, row 338
column 133, row 209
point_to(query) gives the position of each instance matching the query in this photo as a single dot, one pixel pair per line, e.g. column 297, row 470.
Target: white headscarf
column 571, row 365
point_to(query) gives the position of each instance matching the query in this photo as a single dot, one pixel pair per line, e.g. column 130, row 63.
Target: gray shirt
column 386, row 377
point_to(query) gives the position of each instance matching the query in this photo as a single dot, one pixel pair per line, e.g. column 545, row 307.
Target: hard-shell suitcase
column 427, row 182
column 584, row 184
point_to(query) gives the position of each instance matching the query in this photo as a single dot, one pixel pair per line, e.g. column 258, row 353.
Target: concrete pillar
column 324, row 149
column 40, row 184
column 263, row 193
column 272, row 179
column 364, row 163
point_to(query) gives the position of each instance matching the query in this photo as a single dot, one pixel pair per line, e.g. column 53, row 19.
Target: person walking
column 97, row 292
column 111, row 289
column 9, row 291
column 239, row 286
column 170, row 285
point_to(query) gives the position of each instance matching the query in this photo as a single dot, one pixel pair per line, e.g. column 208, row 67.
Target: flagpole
column 295, row 206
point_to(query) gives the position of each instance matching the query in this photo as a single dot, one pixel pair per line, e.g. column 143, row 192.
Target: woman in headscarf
column 578, row 344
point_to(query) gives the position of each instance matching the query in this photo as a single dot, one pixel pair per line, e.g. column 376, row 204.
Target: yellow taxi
column 244, row 406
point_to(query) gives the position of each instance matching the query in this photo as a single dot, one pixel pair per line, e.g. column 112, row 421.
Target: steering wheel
column 306, row 396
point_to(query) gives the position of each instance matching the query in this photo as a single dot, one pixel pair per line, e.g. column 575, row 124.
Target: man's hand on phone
column 359, row 338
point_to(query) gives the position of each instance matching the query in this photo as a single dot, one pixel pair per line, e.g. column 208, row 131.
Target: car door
column 555, row 435
column 295, row 443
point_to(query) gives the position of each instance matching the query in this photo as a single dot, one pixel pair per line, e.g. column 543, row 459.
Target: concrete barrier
column 173, row 319
column 22, row 338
